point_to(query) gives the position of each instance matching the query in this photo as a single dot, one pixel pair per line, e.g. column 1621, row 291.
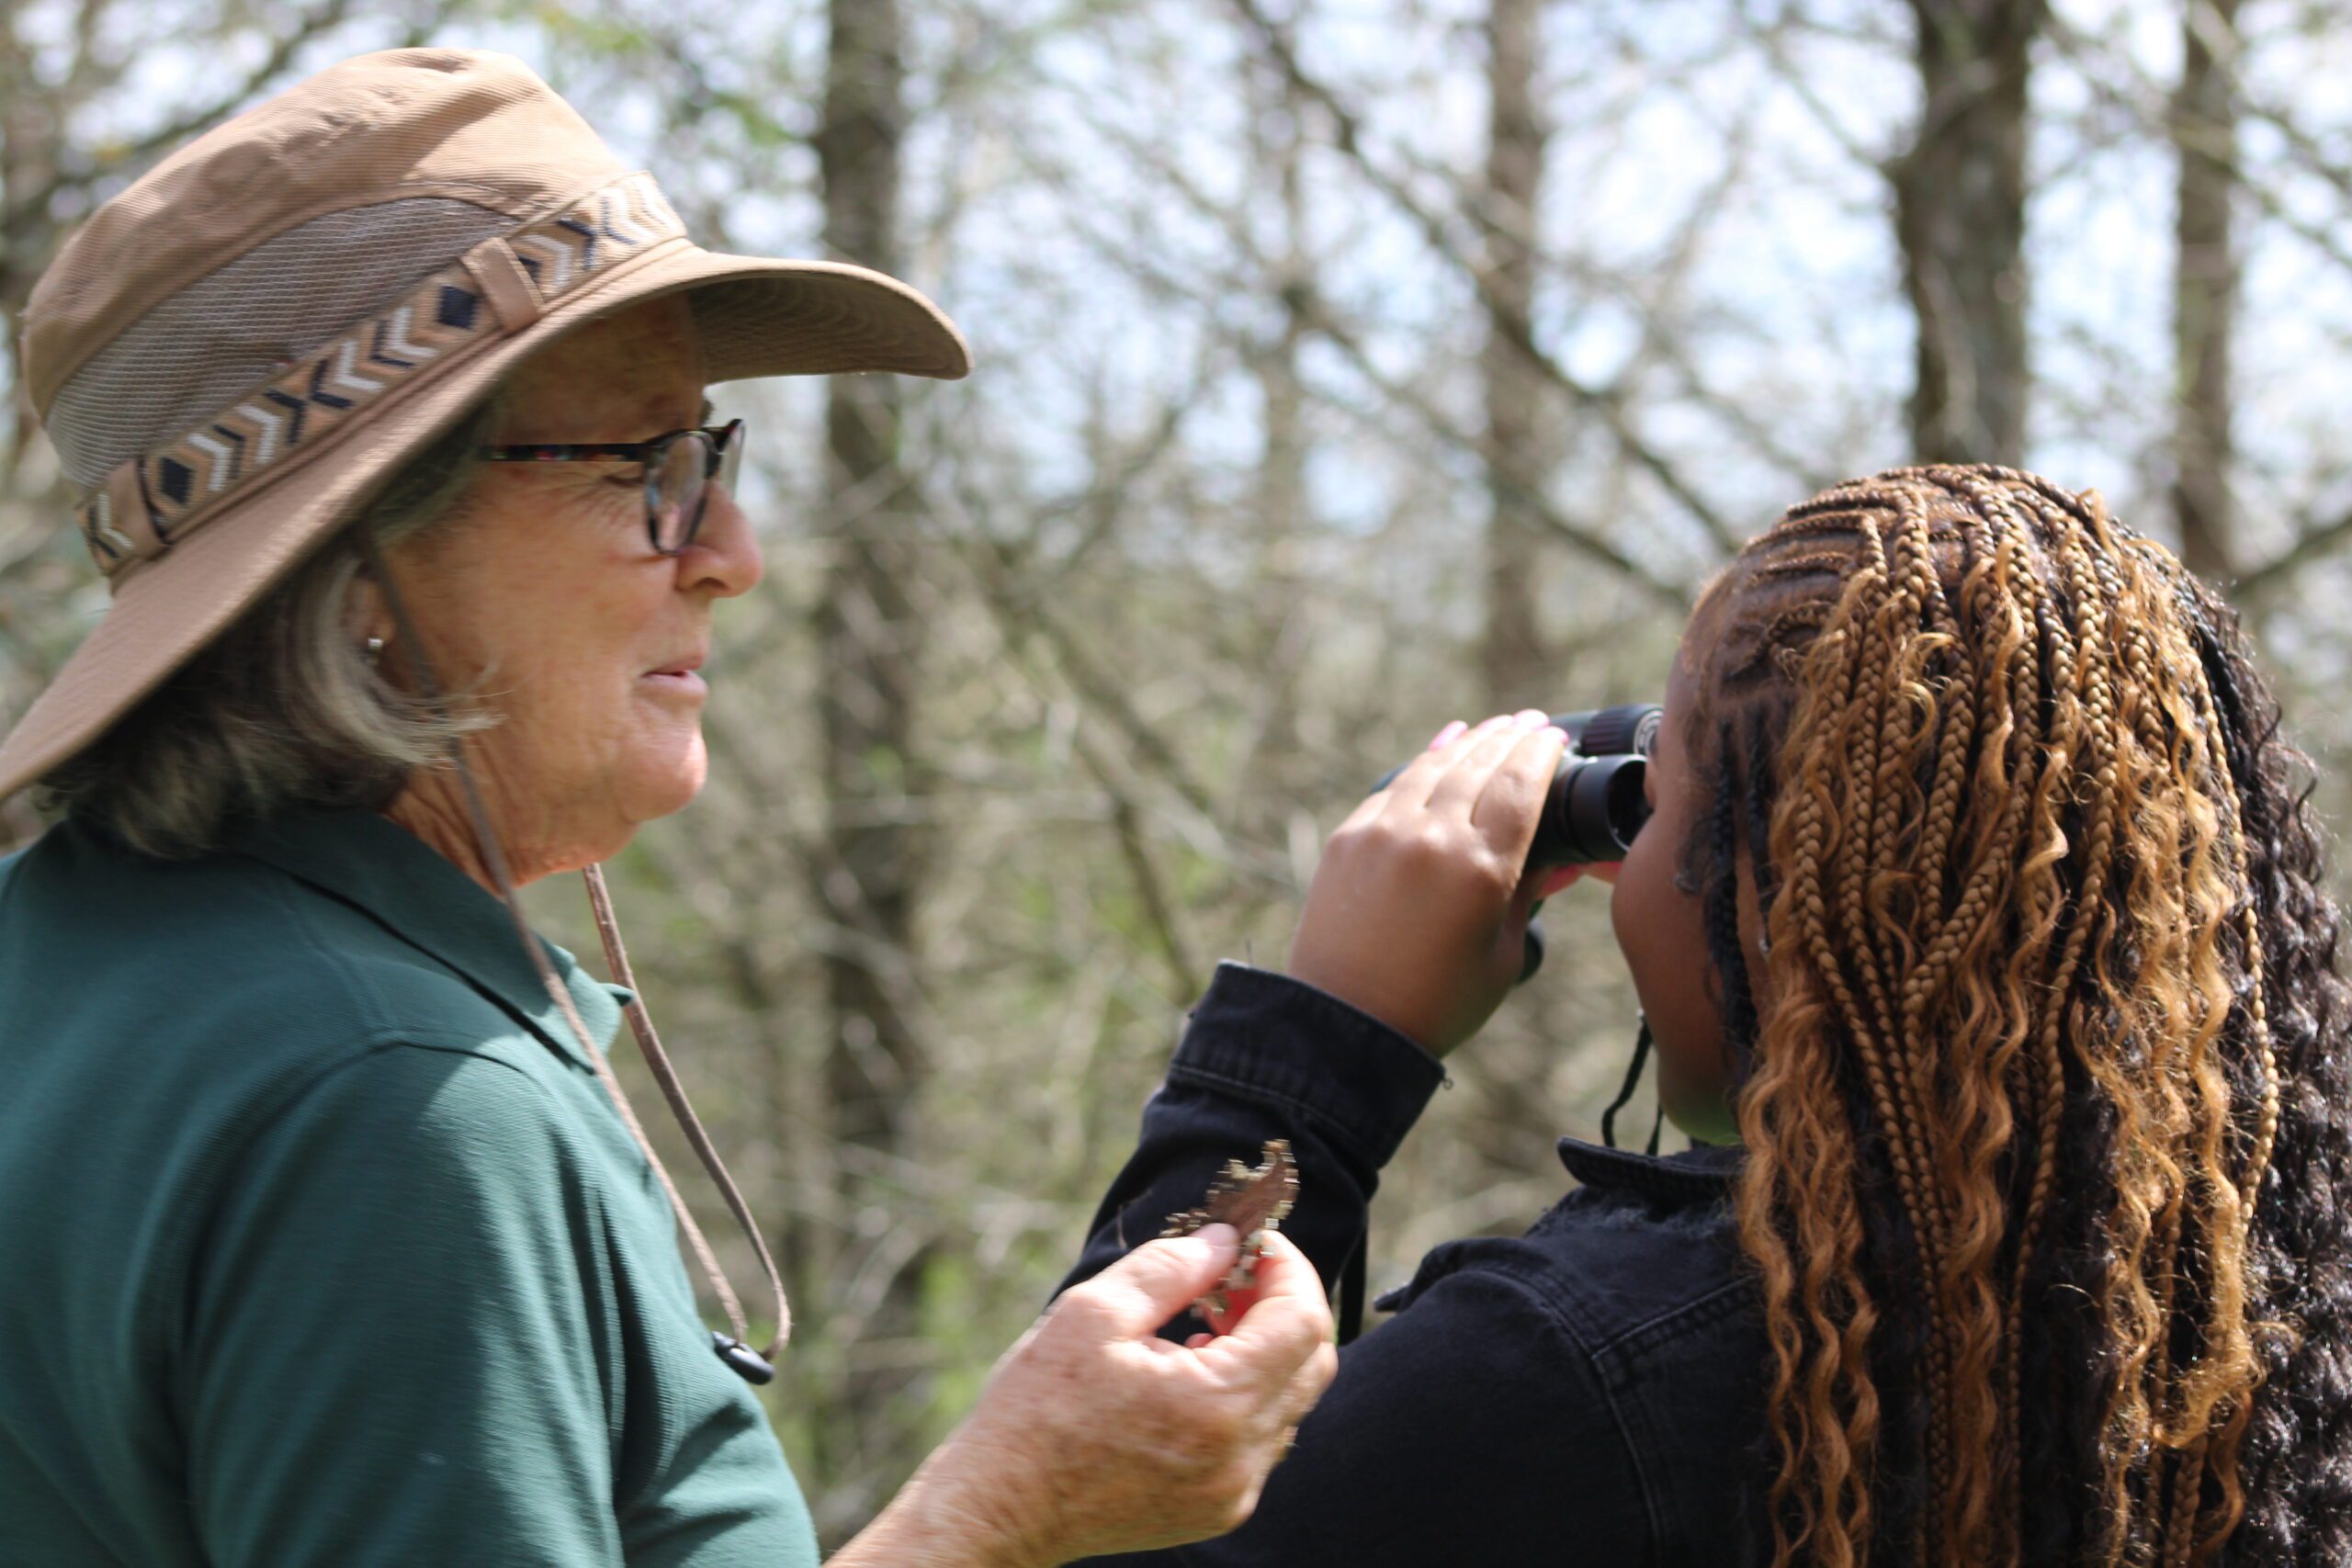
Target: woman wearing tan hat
column 325, row 1236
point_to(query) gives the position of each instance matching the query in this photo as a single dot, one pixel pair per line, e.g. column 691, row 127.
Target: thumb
column 1554, row 879
column 1160, row 1279
column 1534, row 887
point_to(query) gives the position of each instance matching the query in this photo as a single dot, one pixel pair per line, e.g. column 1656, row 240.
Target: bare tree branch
column 1511, row 323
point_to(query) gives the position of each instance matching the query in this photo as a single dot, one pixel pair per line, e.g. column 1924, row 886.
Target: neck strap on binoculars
column 1633, row 1081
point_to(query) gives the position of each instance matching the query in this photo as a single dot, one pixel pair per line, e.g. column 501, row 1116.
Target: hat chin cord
column 754, row 1366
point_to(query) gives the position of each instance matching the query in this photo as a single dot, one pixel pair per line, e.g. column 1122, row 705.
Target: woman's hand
column 1095, row 1436
column 1418, row 914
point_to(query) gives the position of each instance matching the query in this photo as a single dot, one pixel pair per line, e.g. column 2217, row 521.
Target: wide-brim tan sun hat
column 232, row 354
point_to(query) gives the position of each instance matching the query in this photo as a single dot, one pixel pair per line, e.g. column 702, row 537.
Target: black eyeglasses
column 679, row 467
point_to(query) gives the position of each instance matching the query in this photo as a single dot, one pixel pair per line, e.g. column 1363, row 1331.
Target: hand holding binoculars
column 1595, row 803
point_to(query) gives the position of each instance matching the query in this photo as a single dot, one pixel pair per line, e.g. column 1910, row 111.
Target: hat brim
column 756, row 317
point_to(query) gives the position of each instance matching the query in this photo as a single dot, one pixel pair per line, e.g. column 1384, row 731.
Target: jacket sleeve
column 1266, row 1057
column 1472, row 1427
column 395, row 1350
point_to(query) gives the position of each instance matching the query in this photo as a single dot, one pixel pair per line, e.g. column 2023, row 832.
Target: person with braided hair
column 1981, row 932
column 2026, row 979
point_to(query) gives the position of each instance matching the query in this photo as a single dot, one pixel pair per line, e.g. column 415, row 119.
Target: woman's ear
column 365, row 618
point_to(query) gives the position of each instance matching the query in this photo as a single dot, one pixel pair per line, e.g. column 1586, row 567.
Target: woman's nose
column 724, row 560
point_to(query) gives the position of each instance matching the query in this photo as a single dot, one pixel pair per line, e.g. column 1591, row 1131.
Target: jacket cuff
column 1268, row 1038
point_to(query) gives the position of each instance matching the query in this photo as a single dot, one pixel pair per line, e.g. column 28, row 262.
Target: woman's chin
column 669, row 783
column 1702, row 1118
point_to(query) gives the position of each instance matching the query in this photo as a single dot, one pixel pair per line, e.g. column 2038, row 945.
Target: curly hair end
column 2049, row 1187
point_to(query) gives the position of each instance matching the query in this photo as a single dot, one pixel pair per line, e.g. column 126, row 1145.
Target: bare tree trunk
column 27, row 140
column 2205, row 283
column 1278, row 148
column 1960, row 219
column 870, row 642
column 1512, row 655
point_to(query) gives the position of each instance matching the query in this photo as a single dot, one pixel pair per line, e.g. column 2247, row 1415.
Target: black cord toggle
column 742, row 1359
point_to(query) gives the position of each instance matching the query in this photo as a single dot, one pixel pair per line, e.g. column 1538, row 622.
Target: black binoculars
column 1596, row 805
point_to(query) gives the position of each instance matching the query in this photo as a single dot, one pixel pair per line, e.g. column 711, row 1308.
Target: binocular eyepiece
column 1595, row 805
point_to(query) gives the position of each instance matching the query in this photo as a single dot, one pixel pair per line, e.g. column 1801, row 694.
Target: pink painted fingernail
column 1530, row 718
column 1566, row 739
column 1445, row 737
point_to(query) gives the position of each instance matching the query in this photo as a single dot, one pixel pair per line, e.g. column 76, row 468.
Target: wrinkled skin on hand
column 1095, row 1436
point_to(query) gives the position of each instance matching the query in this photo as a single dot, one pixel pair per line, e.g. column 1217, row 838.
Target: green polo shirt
column 320, row 1243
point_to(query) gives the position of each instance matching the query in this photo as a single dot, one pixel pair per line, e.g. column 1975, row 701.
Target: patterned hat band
column 493, row 290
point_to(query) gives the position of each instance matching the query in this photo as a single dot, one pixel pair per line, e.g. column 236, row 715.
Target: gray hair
column 285, row 708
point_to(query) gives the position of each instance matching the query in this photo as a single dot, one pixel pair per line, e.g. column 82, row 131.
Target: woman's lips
column 677, row 681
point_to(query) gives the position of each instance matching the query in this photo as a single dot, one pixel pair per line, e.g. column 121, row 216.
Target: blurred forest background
column 1345, row 367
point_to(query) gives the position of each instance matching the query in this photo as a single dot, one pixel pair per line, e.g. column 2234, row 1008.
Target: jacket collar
column 371, row 863
column 1699, row 1173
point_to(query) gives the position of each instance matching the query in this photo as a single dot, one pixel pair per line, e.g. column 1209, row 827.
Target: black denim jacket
column 1591, row 1392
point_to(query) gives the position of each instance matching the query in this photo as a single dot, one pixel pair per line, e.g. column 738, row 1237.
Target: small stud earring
column 374, row 651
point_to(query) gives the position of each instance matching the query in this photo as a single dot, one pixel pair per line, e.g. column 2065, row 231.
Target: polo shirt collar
column 367, row 860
